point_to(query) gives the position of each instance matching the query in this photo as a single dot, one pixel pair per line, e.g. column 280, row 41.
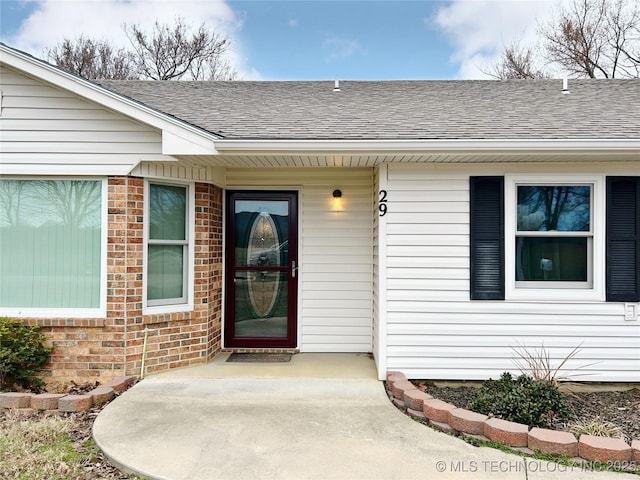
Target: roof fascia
column 181, row 138
column 378, row 147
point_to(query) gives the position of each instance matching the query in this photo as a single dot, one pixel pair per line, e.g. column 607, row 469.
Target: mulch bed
column 622, row 408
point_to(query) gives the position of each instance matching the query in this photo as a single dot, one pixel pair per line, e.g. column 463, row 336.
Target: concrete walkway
column 322, row 416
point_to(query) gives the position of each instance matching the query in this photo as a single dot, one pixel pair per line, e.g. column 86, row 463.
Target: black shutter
column 623, row 239
column 487, row 238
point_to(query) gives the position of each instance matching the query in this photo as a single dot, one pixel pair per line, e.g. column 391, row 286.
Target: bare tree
column 517, row 62
column 92, row 59
column 174, row 51
column 590, row 38
column 168, row 52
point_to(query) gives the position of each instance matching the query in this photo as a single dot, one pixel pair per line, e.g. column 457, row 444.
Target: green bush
column 22, row 354
column 524, row 400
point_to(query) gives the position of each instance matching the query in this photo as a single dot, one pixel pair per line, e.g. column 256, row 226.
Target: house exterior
column 434, row 224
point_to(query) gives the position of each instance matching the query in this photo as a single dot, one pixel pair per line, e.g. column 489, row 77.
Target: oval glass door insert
column 263, row 250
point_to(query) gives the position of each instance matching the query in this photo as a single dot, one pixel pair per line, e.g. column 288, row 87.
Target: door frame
column 292, row 339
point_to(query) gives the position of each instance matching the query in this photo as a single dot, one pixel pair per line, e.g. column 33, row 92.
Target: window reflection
column 554, row 208
column 167, row 212
column 50, row 243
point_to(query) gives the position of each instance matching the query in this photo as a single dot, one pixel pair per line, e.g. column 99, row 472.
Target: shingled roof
column 404, row 110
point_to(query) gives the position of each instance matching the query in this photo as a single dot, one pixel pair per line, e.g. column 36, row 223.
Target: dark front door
column 261, row 269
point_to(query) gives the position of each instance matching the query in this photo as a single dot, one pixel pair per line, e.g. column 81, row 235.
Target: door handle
column 293, row 268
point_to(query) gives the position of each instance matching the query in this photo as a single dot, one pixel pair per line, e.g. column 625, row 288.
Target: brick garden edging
column 458, row 421
column 55, row 402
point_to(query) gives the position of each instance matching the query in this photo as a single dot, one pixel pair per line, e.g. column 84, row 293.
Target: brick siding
column 104, row 348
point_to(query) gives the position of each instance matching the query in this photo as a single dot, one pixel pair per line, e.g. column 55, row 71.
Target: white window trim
column 101, row 311
column 188, row 305
column 564, row 292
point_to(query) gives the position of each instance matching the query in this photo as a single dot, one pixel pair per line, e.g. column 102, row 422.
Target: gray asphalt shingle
column 451, row 109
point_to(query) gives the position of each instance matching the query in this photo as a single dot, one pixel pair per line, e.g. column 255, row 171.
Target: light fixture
column 337, row 200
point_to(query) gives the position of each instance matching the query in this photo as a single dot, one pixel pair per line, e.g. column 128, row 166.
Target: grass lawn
column 51, row 447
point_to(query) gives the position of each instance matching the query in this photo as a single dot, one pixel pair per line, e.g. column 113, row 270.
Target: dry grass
column 51, row 447
column 42, row 449
column 537, row 363
column 598, row 427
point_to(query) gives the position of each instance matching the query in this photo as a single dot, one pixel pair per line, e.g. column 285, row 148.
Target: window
column 167, row 244
column 555, row 237
column 51, row 246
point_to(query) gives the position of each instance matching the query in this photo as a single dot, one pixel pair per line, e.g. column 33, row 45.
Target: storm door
column 261, row 269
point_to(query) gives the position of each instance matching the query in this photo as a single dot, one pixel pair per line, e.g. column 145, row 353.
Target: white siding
column 335, row 279
column 379, row 274
column 433, row 329
column 46, row 130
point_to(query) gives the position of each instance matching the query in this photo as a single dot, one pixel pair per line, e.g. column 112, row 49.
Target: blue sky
column 305, row 40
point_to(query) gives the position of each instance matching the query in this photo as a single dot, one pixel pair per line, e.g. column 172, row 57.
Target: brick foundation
column 101, row 349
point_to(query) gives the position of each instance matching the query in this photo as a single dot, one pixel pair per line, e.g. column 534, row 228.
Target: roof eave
column 178, row 136
column 420, row 147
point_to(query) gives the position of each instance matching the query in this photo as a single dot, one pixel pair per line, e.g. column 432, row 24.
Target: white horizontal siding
column 433, row 329
column 380, row 230
column 47, row 130
column 336, row 248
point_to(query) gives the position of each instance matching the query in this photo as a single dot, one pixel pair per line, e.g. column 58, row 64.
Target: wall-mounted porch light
column 337, row 200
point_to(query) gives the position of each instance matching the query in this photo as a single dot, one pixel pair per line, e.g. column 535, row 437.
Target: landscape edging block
column 553, row 442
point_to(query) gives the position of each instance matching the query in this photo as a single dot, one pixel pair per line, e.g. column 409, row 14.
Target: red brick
column 441, row 426
column 553, row 442
column 416, row 413
column 120, row 384
column 393, row 375
column 74, row 403
column 414, row 399
column 603, row 449
column 466, row 421
column 46, row 401
column 436, row 410
column 635, row 452
column 15, row 400
column 24, row 411
column 509, row 433
column 102, row 395
column 398, row 387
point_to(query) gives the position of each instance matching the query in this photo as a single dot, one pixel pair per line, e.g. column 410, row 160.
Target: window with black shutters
column 555, row 238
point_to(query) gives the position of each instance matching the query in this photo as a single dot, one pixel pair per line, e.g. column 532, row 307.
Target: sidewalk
column 328, row 421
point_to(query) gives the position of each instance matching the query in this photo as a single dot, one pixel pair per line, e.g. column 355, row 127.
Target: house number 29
column 382, row 204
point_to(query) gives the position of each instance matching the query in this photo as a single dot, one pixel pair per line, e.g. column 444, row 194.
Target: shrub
column 22, row 354
column 524, row 400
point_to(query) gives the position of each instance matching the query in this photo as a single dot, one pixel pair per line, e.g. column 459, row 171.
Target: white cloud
column 54, row 20
column 293, row 22
column 340, row 47
column 479, row 30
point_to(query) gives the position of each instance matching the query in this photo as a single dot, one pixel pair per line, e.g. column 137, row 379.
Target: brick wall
column 101, row 349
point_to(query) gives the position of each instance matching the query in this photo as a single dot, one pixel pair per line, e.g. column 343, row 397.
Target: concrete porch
column 302, row 365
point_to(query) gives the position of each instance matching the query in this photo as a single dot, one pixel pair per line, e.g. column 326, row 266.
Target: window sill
column 54, row 313
column 552, row 294
column 163, row 309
